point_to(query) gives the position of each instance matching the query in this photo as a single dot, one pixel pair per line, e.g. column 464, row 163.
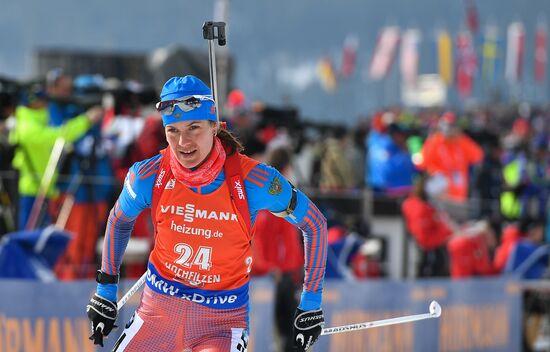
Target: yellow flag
column 445, row 56
column 326, row 74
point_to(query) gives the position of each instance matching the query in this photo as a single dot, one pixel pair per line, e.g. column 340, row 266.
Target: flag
column 326, row 74
column 472, row 18
column 489, row 54
column 384, row 53
column 541, row 57
column 445, row 56
column 514, row 51
column 409, row 55
column 349, row 55
column 466, row 64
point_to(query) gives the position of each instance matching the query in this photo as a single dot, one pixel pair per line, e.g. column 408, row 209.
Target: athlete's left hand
column 307, row 328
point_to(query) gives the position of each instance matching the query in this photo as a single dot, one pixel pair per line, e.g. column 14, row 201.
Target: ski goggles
column 186, row 104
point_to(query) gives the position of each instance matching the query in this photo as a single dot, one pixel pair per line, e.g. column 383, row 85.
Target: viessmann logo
column 190, row 213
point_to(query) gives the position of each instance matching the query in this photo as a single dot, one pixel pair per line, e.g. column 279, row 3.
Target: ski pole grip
column 221, row 34
column 209, row 32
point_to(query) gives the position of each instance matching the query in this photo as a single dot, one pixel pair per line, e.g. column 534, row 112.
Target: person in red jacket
column 451, row 153
column 526, row 231
column 470, row 256
column 277, row 250
column 510, row 236
column 430, row 230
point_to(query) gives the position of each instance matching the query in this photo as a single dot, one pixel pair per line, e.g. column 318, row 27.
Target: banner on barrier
column 478, row 315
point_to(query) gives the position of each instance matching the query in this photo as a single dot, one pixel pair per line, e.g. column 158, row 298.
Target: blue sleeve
column 135, row 197
column 137, row 193
column 267, row 189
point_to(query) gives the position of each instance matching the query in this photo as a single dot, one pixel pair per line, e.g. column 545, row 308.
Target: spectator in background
column 305, row 155
column 511, row 234
column 61, row 104
column 390, row 165
column 519, row 242
column 366, row 263
column 429, row 228
column 343, row 247
column 446, row 247
column 470, row 253
column 277, row 250
column 243, row 121
column 62, row 107
column 514, row 170
column 34, row 141
column 336, row 169
column 538, row 172
column 8, row 178
column 490, row 182
column 317, row 151
column 451, row 153
column 357, row 152
column 236, row 107
column 124, row 124
column 90, row 186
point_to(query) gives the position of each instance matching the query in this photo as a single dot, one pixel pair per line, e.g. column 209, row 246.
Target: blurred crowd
column 472, row 186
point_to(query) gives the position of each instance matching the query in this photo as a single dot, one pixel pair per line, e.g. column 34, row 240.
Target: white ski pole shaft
column 435, row 312
column 132, row 291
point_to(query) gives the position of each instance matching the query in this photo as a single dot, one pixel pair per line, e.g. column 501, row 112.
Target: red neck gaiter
column 206, row 173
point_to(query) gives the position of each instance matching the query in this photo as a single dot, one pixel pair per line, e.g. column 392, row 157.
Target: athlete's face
column 190, row 141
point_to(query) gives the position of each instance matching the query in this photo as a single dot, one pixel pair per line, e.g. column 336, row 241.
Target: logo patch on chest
column 171, row 184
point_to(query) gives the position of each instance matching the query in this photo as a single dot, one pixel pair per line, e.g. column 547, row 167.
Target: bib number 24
column 202, row 258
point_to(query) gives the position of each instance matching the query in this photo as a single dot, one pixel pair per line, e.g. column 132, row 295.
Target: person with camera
column 34, row 139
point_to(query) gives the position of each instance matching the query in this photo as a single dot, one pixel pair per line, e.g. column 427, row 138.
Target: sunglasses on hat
column 186, row 104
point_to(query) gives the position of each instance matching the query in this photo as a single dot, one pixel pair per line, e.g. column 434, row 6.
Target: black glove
column 102, row 313
column 307, row 328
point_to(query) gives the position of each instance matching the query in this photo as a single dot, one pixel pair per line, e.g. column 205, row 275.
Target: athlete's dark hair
column 229, row 140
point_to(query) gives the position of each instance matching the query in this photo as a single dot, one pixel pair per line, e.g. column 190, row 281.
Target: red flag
column 384, row 53
column 466, row 64
column 349, row 55
column 472, row 19
column 540, row 53
column 514, row 51
column 409, row 55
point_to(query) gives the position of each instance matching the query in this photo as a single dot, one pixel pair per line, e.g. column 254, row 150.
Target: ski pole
column 210, row 31
column 132, row 291
column 434, row 312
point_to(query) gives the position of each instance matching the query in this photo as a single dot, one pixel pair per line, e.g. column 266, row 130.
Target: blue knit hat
column 179, row 87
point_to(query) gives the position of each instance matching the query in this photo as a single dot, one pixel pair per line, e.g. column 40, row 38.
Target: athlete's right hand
column 307, row 328
column 102, row 314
